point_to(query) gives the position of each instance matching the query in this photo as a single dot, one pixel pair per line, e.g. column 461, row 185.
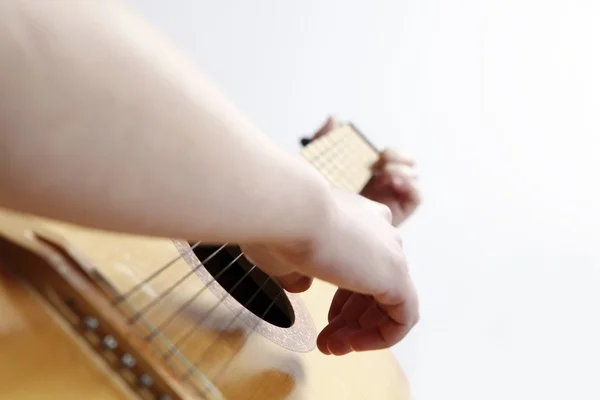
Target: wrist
column 318, row 211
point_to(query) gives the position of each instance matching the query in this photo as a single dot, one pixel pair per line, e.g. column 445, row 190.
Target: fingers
column 362, row 325
column 402, row 171
column 385, row 333
column 395, row 163
column 295, row 282
column 393, row 156
column 339, row 299
column 334, row 339
column 339, row 343
column 398, row 172
column 373, row 316
column 264, row 259
column 402, row 307
column 396, row 169
column 400, row 177
column 324, row 337
column 329, row 125
column 403, row 180
column 339, row 339
column 368, row 340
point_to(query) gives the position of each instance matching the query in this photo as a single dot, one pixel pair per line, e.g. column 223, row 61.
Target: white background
column 499, row 102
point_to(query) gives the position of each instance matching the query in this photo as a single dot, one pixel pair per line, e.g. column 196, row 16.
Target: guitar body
column 172, row 309
column 41, row 358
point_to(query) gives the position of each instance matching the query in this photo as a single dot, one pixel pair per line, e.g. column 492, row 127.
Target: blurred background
column 499, row 101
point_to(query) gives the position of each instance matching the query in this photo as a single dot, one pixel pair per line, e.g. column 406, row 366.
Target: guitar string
column 203, row 380
column 173, row 349
column 159, row 328
column 155, row 274
column 224, row 366
column 149, row 325
column 144, row 310
column 186, row 376
column 180, row 309
column 238, row 348
column 193, row 369
column 156, row 331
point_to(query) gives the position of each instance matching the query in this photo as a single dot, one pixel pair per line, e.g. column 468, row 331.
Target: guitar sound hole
column 253, row 290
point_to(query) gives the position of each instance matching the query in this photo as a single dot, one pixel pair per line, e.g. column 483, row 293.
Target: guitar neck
column 343, row 156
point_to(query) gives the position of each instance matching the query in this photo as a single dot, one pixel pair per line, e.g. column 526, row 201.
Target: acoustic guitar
column 91, row 315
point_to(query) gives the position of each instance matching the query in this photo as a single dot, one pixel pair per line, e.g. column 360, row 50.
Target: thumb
column 275, row 266
column 295, row 282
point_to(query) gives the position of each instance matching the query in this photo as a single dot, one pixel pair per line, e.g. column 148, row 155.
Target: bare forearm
column 105, row 125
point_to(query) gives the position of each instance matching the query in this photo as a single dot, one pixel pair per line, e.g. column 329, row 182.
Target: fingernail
column 398, row 182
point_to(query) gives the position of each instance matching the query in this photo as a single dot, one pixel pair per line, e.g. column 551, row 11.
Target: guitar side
column 43, row 357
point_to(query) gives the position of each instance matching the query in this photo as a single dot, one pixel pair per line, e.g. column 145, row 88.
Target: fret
column 343, row 157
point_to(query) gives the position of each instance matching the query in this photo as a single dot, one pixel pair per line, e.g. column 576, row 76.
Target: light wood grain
column 40, row 359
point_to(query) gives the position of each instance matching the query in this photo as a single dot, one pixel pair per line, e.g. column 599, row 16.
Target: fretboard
column 343, row 156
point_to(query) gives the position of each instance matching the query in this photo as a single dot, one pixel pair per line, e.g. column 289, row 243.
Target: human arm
column 104, row 124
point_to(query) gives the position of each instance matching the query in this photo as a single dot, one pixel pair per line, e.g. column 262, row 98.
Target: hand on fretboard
column 343, row 156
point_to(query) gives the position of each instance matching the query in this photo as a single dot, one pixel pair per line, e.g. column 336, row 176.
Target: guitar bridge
column 85, row 299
